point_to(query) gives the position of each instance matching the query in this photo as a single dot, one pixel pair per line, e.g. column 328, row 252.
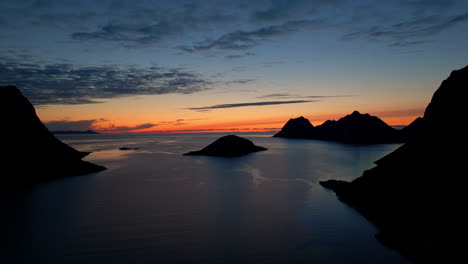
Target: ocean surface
column 154, row 205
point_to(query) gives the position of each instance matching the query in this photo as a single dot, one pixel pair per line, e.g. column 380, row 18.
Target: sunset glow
column 186, row 66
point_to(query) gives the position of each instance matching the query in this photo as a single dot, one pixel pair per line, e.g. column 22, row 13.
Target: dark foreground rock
column 228, row 146
column 416, row 195
column 355, row 128
column 31, row 154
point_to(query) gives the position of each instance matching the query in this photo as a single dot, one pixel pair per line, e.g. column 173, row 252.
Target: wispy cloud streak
column 266, row 103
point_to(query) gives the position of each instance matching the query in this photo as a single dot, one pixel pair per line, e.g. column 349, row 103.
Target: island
column 33, row 154
column 355, row 128
column 416, row 194
column 228, row 146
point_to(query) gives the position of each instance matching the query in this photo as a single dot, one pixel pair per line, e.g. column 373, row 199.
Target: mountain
column 296, row 128
column 416, row 195
column 228, row 146
column 32, row 153
column 355, row 128
column 79, row 132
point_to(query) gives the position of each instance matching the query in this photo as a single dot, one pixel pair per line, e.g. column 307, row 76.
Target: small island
column 228, row 146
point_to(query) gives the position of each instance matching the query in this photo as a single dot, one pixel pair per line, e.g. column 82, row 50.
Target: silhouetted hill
column 296, row 128
column 228, row 146
column 355, row 128
column 32, row 153
column 416, row 195
column 79, row 132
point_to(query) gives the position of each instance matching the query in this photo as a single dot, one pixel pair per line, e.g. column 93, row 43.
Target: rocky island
column 33, row 154
column 228, row 146
column 416, row 194
column 355, row 128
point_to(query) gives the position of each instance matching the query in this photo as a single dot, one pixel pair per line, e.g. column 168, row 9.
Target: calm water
column 154, row 205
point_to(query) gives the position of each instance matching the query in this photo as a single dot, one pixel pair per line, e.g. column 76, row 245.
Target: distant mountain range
column 355, row 128
column 75, row 132
column 33, row 154
column 416, row 195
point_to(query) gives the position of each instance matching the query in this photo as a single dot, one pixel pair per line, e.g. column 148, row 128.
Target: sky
column 194, row 66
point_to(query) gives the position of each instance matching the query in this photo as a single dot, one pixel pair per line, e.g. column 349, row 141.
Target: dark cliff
column 416, row 194
column 32, row 153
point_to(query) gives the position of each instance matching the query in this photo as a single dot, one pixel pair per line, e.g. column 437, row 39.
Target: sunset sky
column 120, row 66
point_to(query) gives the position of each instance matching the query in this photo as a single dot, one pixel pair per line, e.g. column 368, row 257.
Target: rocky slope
column 31, row 153
column 416, row 194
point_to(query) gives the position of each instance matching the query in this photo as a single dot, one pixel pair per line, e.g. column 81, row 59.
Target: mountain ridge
column 355, row 128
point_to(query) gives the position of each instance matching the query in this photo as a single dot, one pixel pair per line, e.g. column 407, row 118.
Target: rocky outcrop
column 31, row 153
column 296, row 128
column 228, row 146
column 355, row 128
column 416, row 194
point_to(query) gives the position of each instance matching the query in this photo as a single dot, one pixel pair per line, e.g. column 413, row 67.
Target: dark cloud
column 64, row 125
column 238, row 24
column 101, row 125
column 239, row 81
column 280, row 9
column 408, row 33
column 289, row 95
column 141, row 34
column 220, row 106
column 407, row 43
column 238, row 56
column 61, row 83
column 114, row 128
column 241, row 40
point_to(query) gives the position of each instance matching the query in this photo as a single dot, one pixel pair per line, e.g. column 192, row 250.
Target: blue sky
column 89, row 52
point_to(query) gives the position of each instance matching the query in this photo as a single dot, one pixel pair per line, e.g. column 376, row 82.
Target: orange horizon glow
column 271, row 124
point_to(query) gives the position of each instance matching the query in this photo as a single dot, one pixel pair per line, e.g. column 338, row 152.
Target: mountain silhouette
column 355, row 128
column 228, row 146
column 416, row 194
column 296, row 128
column 33, row 154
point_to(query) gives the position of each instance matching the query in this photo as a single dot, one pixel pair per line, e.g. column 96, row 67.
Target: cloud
column 280, row 9
column 289, row 95
column 101, row 125
column 64, row 125
column 62, row 83
column 141, row 34
column 114, row 128
column 241, row 40
column 238, row 24
column 220, row 106
column 238, row 56
column 239, row 81
column 410, row 32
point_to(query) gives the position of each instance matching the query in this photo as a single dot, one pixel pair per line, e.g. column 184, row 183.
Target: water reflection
column 152, row 205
